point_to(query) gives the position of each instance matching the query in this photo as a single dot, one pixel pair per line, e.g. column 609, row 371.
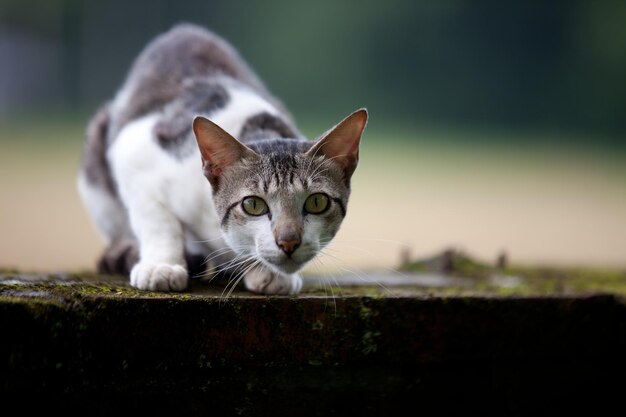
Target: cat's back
column 164, row 69
column 182, row 73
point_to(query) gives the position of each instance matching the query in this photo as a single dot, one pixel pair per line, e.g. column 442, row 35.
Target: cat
column 194, row 160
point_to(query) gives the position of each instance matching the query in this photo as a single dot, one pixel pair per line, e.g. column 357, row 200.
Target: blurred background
column 495, row 126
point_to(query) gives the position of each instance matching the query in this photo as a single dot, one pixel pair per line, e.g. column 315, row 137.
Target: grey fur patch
column 266, row 125
column 119, row 257
column 173, row 130
column 186, row 51
column 94, row 163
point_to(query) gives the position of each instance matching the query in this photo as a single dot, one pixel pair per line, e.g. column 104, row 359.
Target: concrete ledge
column 102, row 348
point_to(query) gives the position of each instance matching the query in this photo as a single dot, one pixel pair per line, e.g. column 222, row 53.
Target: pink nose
column 288, row 243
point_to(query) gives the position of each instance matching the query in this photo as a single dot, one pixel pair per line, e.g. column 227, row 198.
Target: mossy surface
column 96, row 342
column 468, row 278
column 517, row 280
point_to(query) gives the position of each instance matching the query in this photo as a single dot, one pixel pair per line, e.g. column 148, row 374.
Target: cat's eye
column 316, row 203
column 254, row 206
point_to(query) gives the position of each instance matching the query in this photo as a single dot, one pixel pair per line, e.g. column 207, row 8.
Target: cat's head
column 280, row 200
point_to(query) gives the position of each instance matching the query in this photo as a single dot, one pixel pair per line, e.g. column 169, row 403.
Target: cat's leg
column 119, row 257
column 99, row 196
column 262, row 280
column 196, row 255
column 144, row 176
column 111, row 220
column 162, row 265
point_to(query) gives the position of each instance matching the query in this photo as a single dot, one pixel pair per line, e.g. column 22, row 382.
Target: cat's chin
column 283, row 266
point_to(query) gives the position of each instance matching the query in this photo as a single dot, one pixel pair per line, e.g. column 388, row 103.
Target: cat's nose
column 288, row 242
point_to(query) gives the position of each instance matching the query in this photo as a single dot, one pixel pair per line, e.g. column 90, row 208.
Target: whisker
column 333, row 276
column 330, row 287
column 371, row 240
column 325, row 164
column 241, row 275
column 208, row 240
column 357, row 274
column 232, row 281
column 234, row 263
column 216, row 254
column 365, row 252
column 219, row 268
column 314, row 159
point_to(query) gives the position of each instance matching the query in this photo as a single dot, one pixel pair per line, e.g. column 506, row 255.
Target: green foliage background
column 553, row 66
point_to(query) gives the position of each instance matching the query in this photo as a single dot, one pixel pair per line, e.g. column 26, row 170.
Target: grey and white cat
column 194, row 159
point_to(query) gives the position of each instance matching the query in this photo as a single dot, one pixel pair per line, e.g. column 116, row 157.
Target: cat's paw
column 261, row 280
column 159, row 277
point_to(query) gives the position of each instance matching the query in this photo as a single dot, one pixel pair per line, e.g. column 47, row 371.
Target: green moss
column 476, row 279
column 18, row 298
column 481, row 278
column 368, row 341
column 571, row 280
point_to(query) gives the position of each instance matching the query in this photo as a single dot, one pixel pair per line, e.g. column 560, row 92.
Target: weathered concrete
column 97, row 346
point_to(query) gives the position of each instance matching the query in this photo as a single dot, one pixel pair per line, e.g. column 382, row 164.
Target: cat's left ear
column 341, row 143
column 219, row 150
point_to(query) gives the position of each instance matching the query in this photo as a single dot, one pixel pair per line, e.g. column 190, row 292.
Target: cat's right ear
column 219, row 150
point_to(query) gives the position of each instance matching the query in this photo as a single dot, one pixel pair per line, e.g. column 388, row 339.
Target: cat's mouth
column 285, row 264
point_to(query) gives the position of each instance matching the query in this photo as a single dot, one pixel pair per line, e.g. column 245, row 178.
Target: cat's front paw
column 159, row 277
column 261, row 280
